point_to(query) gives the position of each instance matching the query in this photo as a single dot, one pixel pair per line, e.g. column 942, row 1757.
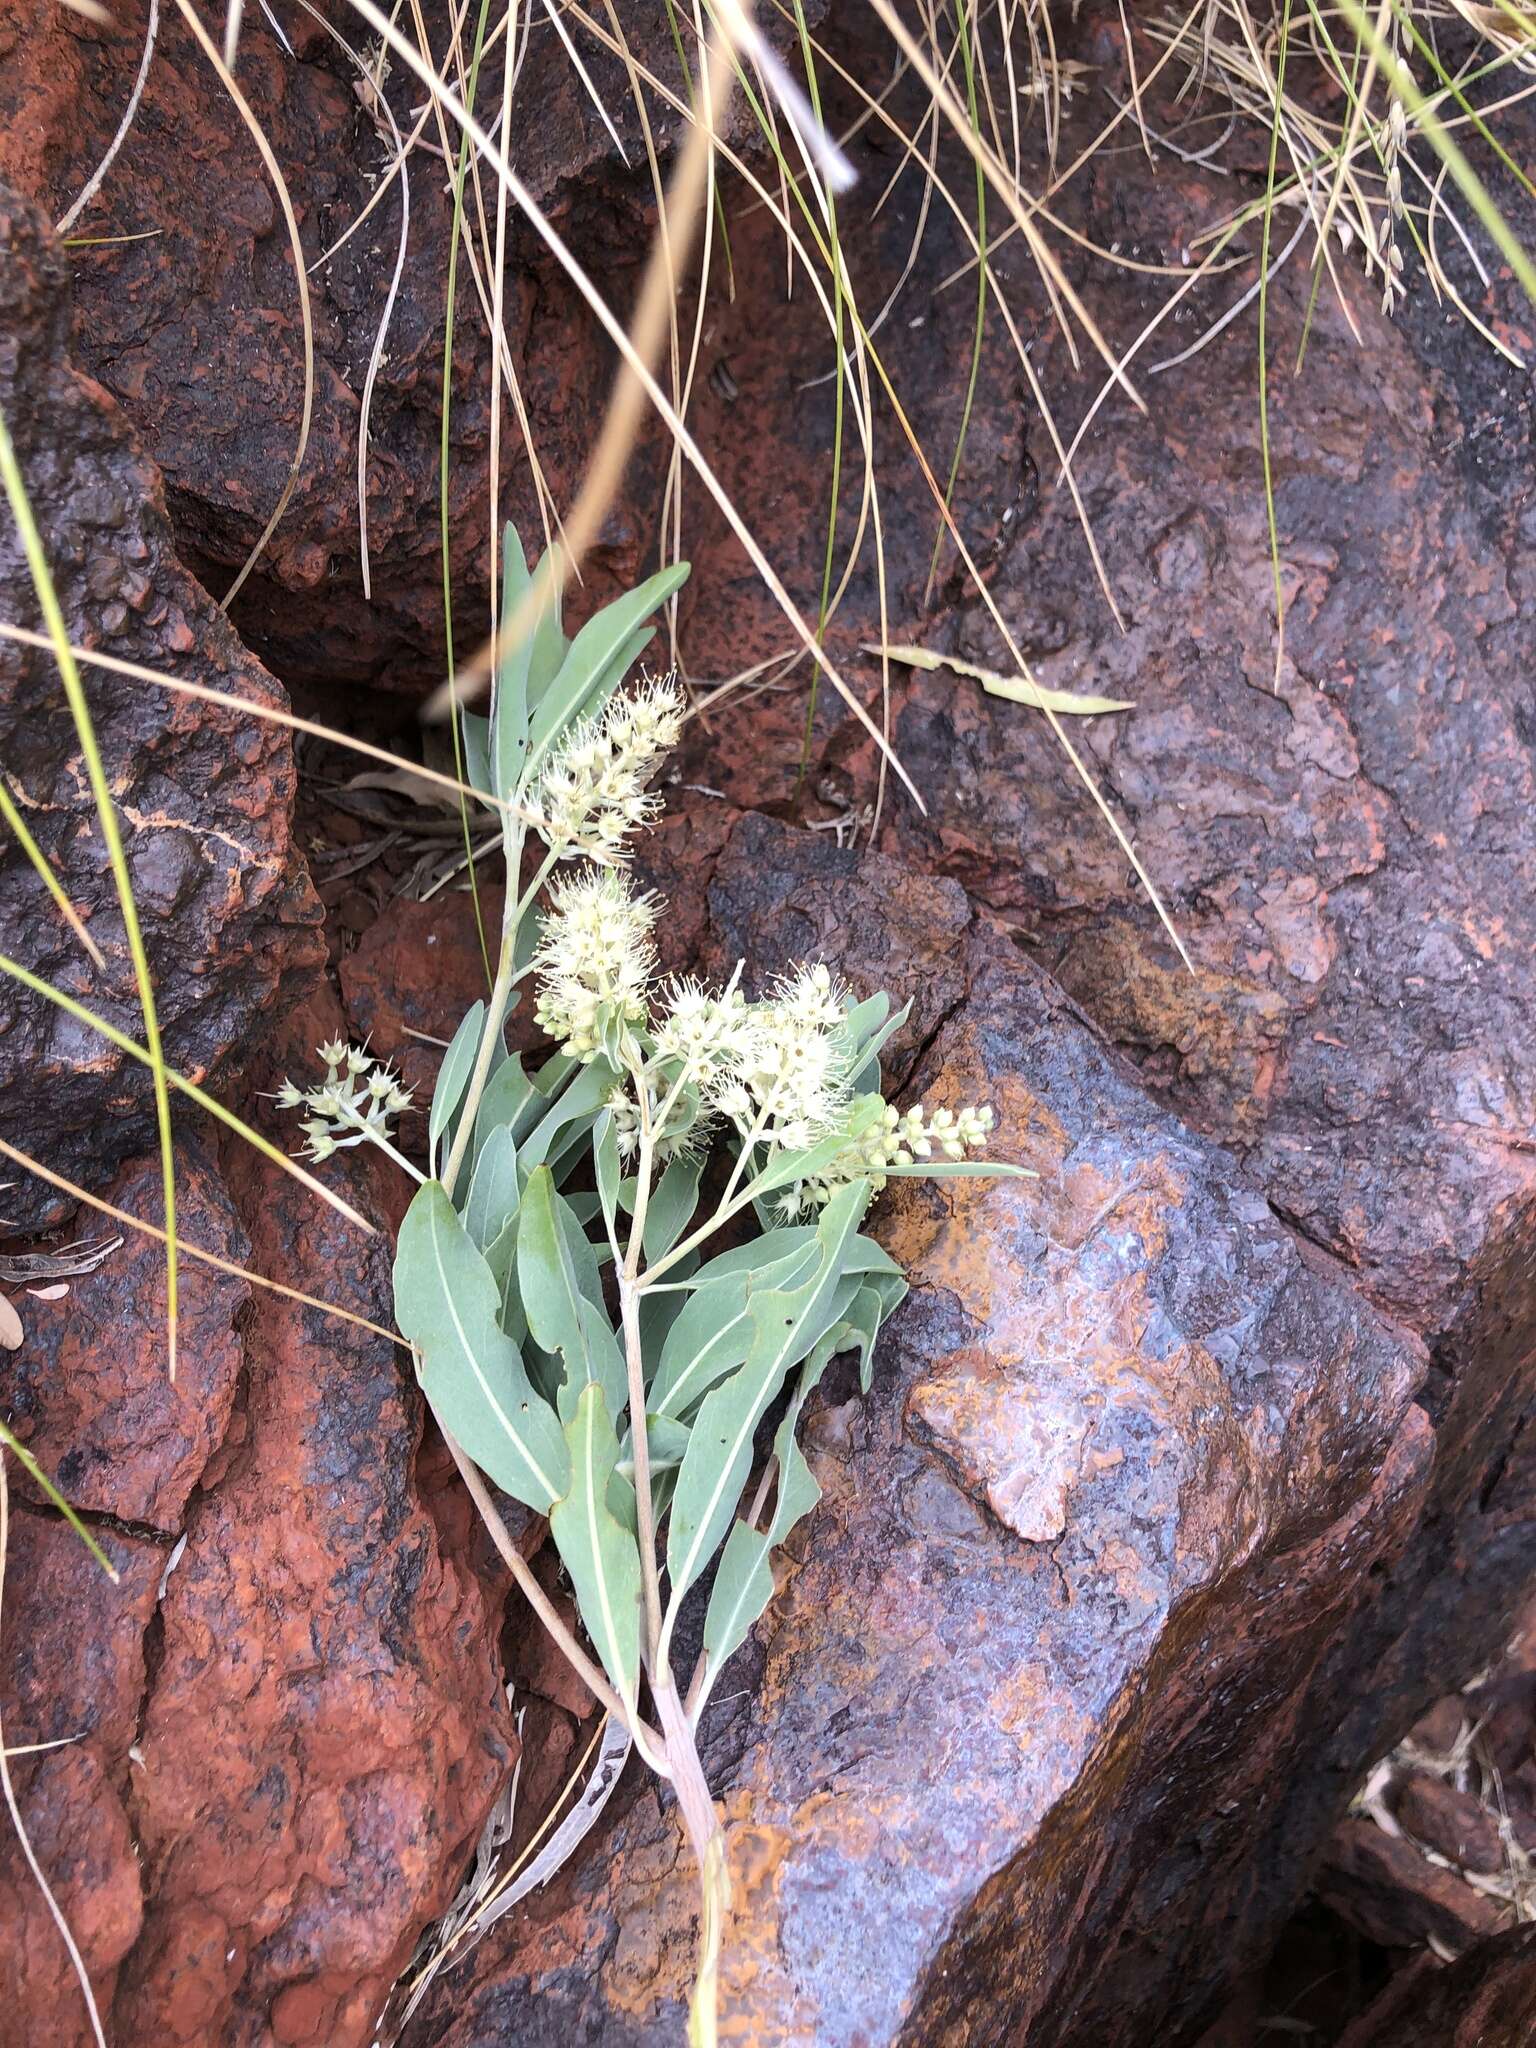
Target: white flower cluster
column 788, row 1080
column 900, row 1138
column 592, row 792
column 351, row 1105
column 595, row 960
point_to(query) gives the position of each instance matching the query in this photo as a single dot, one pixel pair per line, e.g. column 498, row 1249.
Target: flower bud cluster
column 592, row 792
column 899, row 1138
column 677, row 1126
column 595, row 960
column 352, row 1105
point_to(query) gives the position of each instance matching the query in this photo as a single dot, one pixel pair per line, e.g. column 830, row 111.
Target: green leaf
column 501, row 1257
column 713, row 1334
column 507, row 1094
column 568, row 1119
column 870, row 1044
column 549, row 642
column 787, row 1323
column 493, row 1189
column 744, row 1583
column 509, row 711
column 594, row 656
column 665, row 1442
column 709, row 1336
column 1015, row 688
column 861, row 1325
column 562, row 1296
column 863, row 1113
column 453, row 1075
column 447, row 1305
column 596, row 1549
column 476, row 734
column 670, row 1209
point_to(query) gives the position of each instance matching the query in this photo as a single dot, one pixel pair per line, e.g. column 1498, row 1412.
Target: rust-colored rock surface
column 203, row 793
column 72, row 1668
column 292, row 1716
column 338, row 1665
column 1012, row 1750
column 1347, row 843
column 88, row 1392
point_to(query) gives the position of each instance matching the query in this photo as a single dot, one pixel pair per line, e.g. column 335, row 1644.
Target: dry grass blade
column 491, row 1898
column 191, row 1251
column 269, row 714
column 190, row 1089
column 280, row 185
column 77, row 1961
column 94, row 182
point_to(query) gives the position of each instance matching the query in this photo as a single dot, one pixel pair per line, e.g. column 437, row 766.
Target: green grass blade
column 454, row 232
column 39, row 1477
column 53, row 618
column 190, row 1089
column 29, row 846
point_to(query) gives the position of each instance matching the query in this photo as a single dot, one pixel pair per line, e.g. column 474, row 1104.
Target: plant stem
column 701, row 1823
column 647, row 1740
column 496, row 1003
column 645, row 1516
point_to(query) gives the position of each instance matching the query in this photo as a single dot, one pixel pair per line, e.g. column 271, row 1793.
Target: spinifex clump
column 581, row 1336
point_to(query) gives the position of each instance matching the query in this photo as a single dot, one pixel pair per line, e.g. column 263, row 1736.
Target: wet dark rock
column 1485, row 2000
column 1013, row 1738
column 1347, row 844
column 203, row 793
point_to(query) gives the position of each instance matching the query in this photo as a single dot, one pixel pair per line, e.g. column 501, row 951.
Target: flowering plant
column 580, row 1338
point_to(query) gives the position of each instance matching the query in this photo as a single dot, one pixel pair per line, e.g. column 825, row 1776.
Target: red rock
column 338, row 1668
column 1451, row 1823
column 72, row 1672
column 1439, row 1731
column 418, row 969
column 203, row 793
column 89, row 1393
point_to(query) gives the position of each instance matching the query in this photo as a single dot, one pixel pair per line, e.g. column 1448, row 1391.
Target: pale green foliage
column 549, row 1274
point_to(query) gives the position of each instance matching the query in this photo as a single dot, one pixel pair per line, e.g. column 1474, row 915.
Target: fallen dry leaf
column 1015, row 688
column 10, row 1326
